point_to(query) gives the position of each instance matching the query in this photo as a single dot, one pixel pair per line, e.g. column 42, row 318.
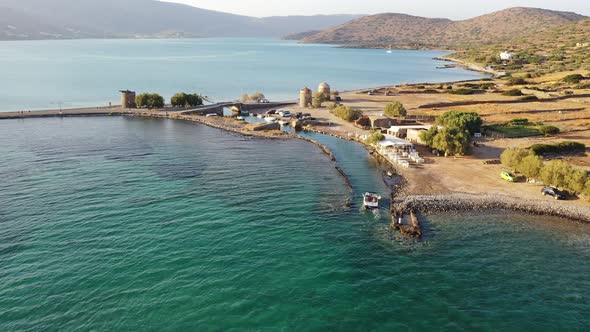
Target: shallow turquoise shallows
column 50, row 74
column 118, row 224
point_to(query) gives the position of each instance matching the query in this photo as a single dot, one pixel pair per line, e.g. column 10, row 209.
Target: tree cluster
column 257, row 97
column 565, row 147
column 375, row 138
column 555, row 173
column 149, row 100
column 395, row 110
column 469, row 121
column 318, row 99
column 347, row 113
column 182, row 99
column 455, row 136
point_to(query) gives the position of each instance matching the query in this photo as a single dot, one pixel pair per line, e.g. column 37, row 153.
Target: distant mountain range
column 64, row 19
column 402, row 30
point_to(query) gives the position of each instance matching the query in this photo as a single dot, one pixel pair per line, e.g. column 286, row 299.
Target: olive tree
column 513, row 157
column 318, row 99
column 396, row 110
column 257, row 97
column 179, row 100
column 530, row 166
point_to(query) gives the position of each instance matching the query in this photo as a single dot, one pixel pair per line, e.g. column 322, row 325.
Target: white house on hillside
column 506, row 56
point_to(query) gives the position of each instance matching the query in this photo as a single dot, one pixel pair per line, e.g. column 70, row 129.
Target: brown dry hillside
column 406, row 30
column 551, row 51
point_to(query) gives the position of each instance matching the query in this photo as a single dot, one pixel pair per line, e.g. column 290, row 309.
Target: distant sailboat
column 389, row 50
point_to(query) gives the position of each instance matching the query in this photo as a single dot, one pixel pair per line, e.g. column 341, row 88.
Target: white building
column 506, row 56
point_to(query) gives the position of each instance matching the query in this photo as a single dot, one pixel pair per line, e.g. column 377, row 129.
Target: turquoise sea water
column 117, row 224
column 73, row 73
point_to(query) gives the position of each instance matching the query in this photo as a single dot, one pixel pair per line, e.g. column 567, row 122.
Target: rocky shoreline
column 459, row 202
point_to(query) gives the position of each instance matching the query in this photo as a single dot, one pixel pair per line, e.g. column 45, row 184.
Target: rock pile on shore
column 465, row 202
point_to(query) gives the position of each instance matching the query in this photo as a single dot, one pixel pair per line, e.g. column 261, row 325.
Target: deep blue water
column 73, row 73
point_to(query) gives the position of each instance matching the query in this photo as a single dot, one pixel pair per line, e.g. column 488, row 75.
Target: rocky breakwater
column 237, row 126
column 466, row 203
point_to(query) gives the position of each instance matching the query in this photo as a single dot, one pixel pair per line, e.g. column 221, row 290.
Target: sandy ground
column 465, row 174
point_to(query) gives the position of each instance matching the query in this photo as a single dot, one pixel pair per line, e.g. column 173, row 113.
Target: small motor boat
column 371, row 201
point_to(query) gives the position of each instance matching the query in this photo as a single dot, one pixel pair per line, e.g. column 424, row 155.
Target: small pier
column 405, row 221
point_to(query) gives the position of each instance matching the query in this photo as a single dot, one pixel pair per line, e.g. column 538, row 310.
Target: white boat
column 241, row 118
column 260, row 116
column 283, row 123
column 371, row 201
column 270, row 119
column 389, row 50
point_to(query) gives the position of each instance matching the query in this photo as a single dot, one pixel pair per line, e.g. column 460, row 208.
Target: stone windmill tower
column 128, row 99
column 305, row 97
column 325, row 89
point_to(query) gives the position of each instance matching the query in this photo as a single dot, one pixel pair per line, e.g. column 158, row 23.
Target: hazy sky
column 454, row 9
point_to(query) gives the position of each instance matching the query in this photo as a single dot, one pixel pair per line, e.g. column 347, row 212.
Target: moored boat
column 270, row 119
column 371, row 201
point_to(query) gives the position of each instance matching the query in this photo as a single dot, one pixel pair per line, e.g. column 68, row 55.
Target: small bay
column 86, row 73
column 115, row 223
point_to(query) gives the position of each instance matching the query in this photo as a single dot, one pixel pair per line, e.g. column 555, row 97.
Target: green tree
column 347, row 113
column 573, row 78
column 179, row 100
column 257, row 97
column 555, row 173
column 452, row 141
column 395, row 110
column 516, row 81
column 428, row 136
column 332, row 105
column 155, row 101
column 530, row 166
column 586, row 191
column 470, row 121
column 549, row 130
column 141, row 100
column 318, row 99
column 194, row 99
column 512, row 158
column 576, row 180
column 375, row 138
column 149, row 100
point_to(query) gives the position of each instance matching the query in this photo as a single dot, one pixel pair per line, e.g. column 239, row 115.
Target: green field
column 515, row 131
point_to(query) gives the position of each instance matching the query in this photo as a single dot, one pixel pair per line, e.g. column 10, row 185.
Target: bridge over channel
column 217, row 108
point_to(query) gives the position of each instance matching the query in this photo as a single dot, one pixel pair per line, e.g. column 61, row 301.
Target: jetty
column 119, row 110
column 405, row 220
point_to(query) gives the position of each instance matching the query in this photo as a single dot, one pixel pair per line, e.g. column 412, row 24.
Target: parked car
column 553, row 192
column 271, row 112
column 285, row 113
column 298, row 115
column 508, row 176
column 338, row 98
column 264, row 101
